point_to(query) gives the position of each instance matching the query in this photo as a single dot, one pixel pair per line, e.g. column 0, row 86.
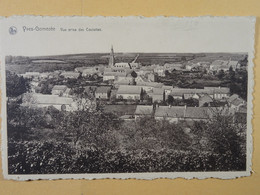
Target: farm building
column 58, row 89
column 143, row 111
column 103, row 92
column 129, row 92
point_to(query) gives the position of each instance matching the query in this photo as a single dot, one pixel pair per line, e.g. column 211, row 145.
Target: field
column 22, row 64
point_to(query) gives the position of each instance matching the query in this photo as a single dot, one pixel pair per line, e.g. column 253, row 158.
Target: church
column 121, row 65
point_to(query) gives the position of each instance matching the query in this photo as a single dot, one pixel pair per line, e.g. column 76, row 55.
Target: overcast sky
column 131, row 34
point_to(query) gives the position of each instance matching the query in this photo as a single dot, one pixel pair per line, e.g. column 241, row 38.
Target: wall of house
column 101, row 95
column 106, row 78
column 220, row 96
column 158, row 98
column 170, row 119
column 128, row 96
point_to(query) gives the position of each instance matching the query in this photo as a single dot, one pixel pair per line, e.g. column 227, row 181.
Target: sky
column 126, row 34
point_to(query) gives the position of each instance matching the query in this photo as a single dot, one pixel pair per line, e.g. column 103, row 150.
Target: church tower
column 111, row 58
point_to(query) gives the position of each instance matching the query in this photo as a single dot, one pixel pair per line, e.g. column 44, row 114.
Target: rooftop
column 49, row 99
column 149, row 84
column 73, row 74
column 166, row 111
column 158, row 91
column 144, row 110
column 114, row 73
column 103, row 89
column 232, row 97
column 129, row 89
column 59, row 87
column 197, row 113
column 205, row 97
column 120, row 109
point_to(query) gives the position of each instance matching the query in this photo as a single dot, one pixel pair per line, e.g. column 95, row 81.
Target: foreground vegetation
column 52, row 141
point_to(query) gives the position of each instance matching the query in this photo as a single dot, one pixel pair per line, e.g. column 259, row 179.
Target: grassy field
column 20, row 64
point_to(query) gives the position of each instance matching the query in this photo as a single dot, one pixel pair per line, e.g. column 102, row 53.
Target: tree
column 244, row 61
column 170, row 100
column 167, row 73
column 16, row 85
column 88, row 127
column 232, row 74
column 222, row 134
column 221, row 74
column 134, row 74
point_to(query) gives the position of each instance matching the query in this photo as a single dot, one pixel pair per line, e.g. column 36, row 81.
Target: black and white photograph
column 127, row 98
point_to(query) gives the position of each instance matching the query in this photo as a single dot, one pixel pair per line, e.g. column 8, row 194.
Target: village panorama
column 126, row 112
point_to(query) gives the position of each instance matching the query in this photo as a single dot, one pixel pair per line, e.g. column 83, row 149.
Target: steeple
column 111, row 58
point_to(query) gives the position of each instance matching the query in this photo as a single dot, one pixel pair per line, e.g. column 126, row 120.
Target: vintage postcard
column 126, row 97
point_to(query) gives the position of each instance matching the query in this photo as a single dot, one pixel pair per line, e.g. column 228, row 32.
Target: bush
column 53, row 158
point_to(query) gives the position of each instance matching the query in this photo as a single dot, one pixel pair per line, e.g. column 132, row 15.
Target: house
column 119, row 69
column 143, row 111
column 134, row 65
column 113, row 75
column 236, row 103
column 129, row 92
column 172, row 114
column 151, row 77
column 124, row 112
column 158, row 95
column 192, row 94
column 44, row 75
column 89, row 72
column 197, row 114
column 167, row 90
column 205, row 100
column 192, row 67
column 67, row 93
column 31, row 75
column 185, row 93
column 218, row 92
column 103, row 92
column 177, row 67
column 144, row 71
column 46, row 100
column 122, row 65
column 159, row 70
column 71, row 75
column 221, row 93
column 176, row 94
column 176, row 114
column 121, row 80
column 58, row 90
column 224, row 65
column 148, row 86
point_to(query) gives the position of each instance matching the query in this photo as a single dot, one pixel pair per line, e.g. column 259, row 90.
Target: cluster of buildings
column 175, row 114
column 224, row 65
column 133, row 82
